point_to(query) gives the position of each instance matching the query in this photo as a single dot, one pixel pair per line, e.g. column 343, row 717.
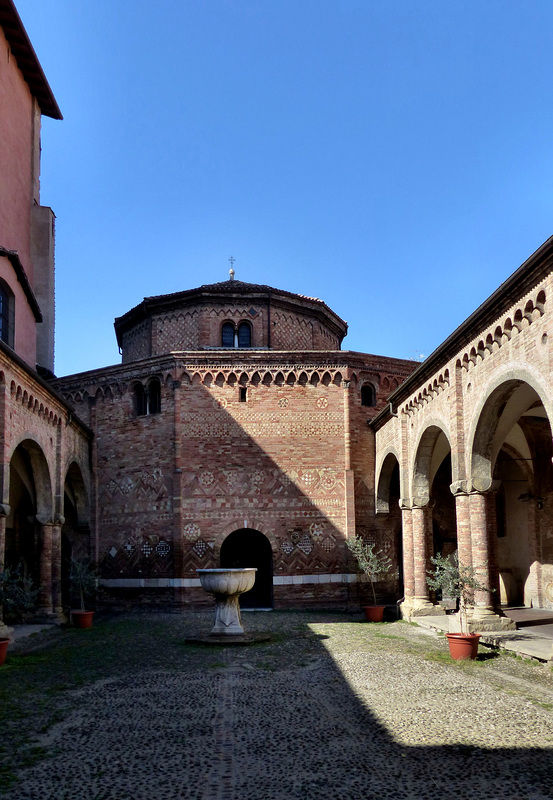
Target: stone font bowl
column 227, row 581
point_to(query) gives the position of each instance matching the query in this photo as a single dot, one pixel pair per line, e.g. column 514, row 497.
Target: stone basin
column 227, row 585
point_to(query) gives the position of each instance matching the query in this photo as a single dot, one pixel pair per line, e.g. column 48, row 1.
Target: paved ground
column 332, row 708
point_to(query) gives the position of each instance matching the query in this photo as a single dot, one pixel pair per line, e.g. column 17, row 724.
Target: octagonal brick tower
column 227, row 315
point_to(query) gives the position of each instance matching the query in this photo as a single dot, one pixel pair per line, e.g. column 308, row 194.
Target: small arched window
column 7, row 308
column 153, row 398
column 368, row 395
column 227, row 334
column 147, row 400
column 236, row 337
column 139, row 400
column 244, row 335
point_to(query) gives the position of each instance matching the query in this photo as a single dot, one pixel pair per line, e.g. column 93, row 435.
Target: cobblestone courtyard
column 331, row 708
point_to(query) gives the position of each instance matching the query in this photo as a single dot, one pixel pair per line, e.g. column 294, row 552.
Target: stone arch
column 432, row 447
column 511, row 455
column 29, row 494
column 78, row 492
column 507, row 395
column 389, row 464
column 249, row 547
column 30, row 454
column 75, row 531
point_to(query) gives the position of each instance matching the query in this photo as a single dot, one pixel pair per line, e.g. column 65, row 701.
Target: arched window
column 153, row 398
column 368, row 395
column 236, row 337
column 6, row 314
column 139, row 400
column 227, row 334
column 244, row 335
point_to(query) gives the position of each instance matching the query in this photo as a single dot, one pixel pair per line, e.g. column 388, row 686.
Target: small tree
column 18, row 594
column 371, row 563
column 83, row 578
column 455, row 580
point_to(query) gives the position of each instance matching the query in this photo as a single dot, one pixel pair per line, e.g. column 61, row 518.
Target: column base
column 48, row 616
column 480, row 620
column 420, row 607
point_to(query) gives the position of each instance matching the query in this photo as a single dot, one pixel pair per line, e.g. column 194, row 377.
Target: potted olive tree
column 374, row 565
column 456, row 580
column 83, row 584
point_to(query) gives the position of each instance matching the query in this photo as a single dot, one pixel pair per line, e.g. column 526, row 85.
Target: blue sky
column 394, row 159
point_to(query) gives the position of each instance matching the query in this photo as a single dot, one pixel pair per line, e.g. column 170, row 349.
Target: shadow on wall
column 276, row 467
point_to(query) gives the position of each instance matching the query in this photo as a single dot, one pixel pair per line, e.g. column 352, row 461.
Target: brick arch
column 509, row 393
column 421, row 472
column 74, row 474
column 238, row 524
column 41, row 475
column 383, row 479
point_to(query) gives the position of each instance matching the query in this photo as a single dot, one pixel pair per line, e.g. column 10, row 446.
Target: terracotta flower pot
column 374, row 613
column 463, row 646
column 82, row 619
column 3, row 650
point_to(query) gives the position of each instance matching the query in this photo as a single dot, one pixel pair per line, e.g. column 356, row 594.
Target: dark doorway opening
column 250, row 548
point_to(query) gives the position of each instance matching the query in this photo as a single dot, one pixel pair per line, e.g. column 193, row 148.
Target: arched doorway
column 512, row 457
column 30, row 495
column 75, row 533
column 387, row 502
column 250, row 548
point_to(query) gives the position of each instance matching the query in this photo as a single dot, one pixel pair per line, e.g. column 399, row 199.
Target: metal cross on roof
column 231, row 270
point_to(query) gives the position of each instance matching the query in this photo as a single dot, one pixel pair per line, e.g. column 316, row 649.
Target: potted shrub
column 373, row 565
column 460, row 582
column 83, row 584
column 18, row 598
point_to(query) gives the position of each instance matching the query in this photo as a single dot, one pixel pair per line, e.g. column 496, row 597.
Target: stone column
column 4, row 512
column 474, row 550
column 422, row 524
column 462, row 514
column 45, row 608
column 56, row 567
column 408, row 566
column 483, row 602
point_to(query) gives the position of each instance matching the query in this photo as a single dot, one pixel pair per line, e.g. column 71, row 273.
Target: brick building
column 468, row 438
column 44, row 453
column 234, row 432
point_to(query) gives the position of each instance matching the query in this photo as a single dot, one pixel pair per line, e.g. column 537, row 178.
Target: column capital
column 423, row 501
column 44, row 519
column 4, row 510
column 59, row 519
column 484, row 487
column 404, row 504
